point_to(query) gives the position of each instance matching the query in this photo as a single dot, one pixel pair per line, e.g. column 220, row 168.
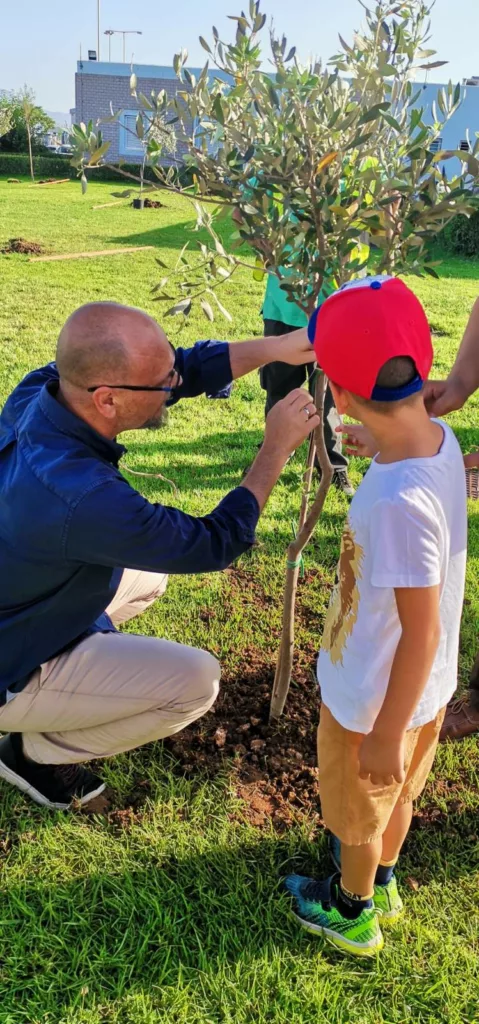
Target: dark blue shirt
column 70, row 522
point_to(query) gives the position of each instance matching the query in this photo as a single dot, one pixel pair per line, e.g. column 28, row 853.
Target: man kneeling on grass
column 81, row 551
column 388, row 663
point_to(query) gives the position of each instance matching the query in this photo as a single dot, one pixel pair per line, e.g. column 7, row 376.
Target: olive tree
column 317, row 159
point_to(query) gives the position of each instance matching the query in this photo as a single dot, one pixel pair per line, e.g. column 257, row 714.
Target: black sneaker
column 51, row 785
column 340, row 480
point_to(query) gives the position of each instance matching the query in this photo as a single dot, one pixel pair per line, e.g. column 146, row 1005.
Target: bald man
column 81, row 551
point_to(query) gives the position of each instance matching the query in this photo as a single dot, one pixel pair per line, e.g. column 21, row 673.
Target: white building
column 460, row 131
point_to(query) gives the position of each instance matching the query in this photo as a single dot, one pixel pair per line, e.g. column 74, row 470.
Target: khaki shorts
column 354, row 809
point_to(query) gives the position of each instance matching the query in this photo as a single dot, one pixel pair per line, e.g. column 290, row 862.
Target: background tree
column 313, row 157
column 5, row 121
column 28, row 122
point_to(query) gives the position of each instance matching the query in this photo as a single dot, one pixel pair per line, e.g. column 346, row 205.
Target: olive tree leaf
column 184, row 307
column 207, row 310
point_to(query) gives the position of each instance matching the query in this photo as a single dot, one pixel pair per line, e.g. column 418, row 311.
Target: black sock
column 16, row 740
column 384, row 874
column 349, row 905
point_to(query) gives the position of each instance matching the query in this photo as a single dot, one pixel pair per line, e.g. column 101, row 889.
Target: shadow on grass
column 170, row 236
column 456, row 266
column 107, row 934
column 83, row 940
column 227, row 456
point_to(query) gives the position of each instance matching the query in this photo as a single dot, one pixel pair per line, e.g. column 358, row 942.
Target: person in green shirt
column 280, row 317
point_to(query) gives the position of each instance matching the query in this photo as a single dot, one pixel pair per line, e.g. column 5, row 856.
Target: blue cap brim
column 395, row 394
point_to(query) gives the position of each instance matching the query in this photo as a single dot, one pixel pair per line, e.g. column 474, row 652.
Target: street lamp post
column 109, row 33
column 121, row 32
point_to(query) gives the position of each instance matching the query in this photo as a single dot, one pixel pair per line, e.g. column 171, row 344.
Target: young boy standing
column 388, row 663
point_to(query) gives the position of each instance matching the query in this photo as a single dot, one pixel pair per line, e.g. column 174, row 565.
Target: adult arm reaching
column 445, row 396
column 209, row 367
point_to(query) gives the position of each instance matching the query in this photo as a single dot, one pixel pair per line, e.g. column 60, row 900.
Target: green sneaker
column 386, row 897
column 317, row 912
column 388, row 901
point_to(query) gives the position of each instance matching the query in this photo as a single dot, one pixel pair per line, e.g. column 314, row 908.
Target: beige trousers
column 113, row 691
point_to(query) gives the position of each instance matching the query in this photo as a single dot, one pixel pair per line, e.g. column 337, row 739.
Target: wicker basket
column 472, row 483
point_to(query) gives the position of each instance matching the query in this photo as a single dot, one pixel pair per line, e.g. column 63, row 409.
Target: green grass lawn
column 173, row 913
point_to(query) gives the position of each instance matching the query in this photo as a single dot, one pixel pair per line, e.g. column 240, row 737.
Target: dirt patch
column 274, row 764
column 21, row 245
column 151, row 204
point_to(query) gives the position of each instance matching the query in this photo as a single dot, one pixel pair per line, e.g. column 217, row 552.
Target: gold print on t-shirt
column 343, row 608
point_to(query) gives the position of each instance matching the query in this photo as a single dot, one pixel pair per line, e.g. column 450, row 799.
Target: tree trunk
column 307, row 522
column 30, row 151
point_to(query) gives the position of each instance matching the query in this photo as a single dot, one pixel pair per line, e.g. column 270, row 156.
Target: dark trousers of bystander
column 278, row 379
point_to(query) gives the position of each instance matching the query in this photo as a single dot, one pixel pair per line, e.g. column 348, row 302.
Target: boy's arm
column 381, row 756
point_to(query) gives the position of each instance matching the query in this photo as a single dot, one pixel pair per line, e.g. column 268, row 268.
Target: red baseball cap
column 363, row 325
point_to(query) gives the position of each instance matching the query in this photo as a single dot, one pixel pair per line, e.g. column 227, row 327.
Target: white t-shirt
column 407, row 527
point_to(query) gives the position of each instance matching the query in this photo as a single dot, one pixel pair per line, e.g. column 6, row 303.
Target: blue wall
column 465, row 120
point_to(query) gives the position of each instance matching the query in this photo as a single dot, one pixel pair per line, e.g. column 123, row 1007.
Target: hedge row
column 14, row 164
column 18, row 165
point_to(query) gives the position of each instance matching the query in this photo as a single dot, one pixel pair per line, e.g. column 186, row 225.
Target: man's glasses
column 140, row 387
column 133, row 387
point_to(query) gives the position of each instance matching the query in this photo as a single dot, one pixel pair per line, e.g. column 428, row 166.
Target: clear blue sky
column 40, row 39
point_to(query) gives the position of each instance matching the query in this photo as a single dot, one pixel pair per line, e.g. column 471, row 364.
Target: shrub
column 461, row 236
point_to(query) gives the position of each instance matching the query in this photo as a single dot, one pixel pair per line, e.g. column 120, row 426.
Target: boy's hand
column 358, row 440
column 381, row 759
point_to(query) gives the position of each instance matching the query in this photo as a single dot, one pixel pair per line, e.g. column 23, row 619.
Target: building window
column 129, row 143
column 464, row 146
column 436, row 145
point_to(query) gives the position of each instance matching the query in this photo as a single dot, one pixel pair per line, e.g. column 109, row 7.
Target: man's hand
column 381, row 759
column 294, row 348
column 290, row 422
column 287, row 426
column 358, row 440
column 443, row 396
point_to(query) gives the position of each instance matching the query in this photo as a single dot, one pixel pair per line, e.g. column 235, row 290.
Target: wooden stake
column 307, row 522
column 87, row 255
column 102, row 206
column 41, row 184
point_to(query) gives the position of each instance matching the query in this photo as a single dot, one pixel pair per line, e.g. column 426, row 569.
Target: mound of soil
column 275, row 765
column 153, row 204
column 21, row 245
